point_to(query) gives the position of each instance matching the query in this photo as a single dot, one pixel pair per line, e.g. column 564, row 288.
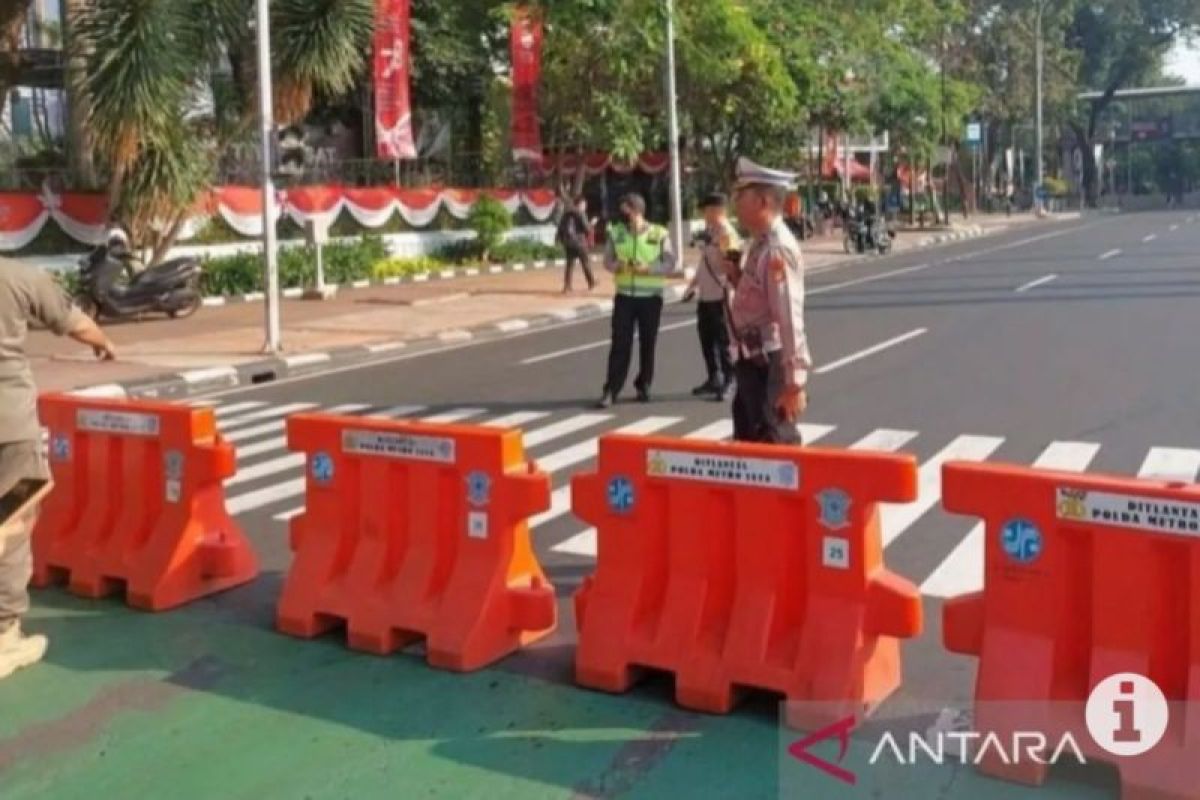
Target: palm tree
column 150, row 65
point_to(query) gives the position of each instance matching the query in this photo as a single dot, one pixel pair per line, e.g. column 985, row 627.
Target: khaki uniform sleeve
column 50, row 306
column 785, row 297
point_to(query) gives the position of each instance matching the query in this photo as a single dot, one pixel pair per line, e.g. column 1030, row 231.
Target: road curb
column 437, row 276
column 180, row 385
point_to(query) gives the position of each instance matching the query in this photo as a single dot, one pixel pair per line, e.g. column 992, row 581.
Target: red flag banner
column 393, row 112
column 525, row 44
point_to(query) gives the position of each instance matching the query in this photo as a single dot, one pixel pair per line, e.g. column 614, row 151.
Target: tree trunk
column 162, row 247
column 79, row 144
column 1091, row 171
column 12, row 22
column 961, row 179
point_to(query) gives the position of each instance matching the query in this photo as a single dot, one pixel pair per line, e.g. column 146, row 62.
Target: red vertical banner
column 393, row 111
column 525, row 44
column 831, row 167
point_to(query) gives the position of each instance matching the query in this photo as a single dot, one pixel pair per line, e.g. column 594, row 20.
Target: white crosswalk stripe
column 1170, row 464
column 962, row 570
column 896, row 518
column 273, row 412
column 563, row 442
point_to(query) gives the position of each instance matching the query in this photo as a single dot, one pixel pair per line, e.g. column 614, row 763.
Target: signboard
column 399, row 445
column 1153, row 514
column 766, row 473
column 117, row 422
column 974, row 132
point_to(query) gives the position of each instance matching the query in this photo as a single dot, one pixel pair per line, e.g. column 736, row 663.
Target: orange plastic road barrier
column 1086, row 577
column 138, row 501
column 748, row 565
column 414, row 529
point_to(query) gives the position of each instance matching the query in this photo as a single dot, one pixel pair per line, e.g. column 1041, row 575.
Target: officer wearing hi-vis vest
column 640, row 257
column 767, row 314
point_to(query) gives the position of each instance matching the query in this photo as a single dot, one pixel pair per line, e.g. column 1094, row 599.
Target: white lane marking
column 1023, row 242
column 870, row 351
column 897, row 517
column 283, row 463
column 1110, row 254
column 266, row 413
column 833, row 287
column 713, row 432
column 454, row 415
column 562, row 428
column 396, row 411
column 280, row 442
column 585, row 451
column 264, row 428
column 517, row 419
column 690, row 323
column 1174, row 227
column 962, row 570
column 1150, row 237
column 1170, row 464
column 810, row 433
column 234, row 408
column 885, row 440
column 1034, row 284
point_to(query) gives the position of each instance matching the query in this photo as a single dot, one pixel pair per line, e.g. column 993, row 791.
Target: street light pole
column 1041, row 176
column 673, row 132
column 266, row 120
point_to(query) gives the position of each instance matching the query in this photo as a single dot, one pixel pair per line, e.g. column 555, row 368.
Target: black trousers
column 714, row 341
column 642, row 314
column 759, row 388
column 577, row 254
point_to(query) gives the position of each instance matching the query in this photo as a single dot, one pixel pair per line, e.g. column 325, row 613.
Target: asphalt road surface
column 1071, row 345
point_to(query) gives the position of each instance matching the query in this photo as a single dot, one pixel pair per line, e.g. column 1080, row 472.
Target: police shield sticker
column 479, row 488
column 1021, row 540
column 620, row 495
column 322, row 468
column 60, row 447
column 835, row 509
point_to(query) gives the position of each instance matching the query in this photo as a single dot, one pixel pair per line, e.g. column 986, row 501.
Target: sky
column 1185, row 62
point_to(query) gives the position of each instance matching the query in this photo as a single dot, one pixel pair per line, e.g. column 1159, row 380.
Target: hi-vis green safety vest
column 644, row 248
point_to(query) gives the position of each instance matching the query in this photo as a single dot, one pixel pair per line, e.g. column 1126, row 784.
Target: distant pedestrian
column 27, row 295
column 767, row 324
column 640, row 257
column 574, row 235
column 719, row 240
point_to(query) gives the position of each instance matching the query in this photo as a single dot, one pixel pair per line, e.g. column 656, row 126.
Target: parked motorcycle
column 866, row 231
column 108, row 287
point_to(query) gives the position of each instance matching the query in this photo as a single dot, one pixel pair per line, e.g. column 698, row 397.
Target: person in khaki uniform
column 27, row 295
column 712, row 287
column 767, row 316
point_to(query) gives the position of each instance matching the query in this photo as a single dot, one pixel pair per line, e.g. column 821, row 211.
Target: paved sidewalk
column 210, row 348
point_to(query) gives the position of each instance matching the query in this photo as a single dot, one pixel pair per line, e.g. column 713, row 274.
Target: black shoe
column 643, row 395
column 708, row 387
column 605, row 400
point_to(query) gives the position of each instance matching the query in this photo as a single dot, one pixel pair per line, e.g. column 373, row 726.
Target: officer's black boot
column 710, row 386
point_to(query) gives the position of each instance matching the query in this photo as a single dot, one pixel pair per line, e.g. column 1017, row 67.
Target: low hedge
column 346, row 262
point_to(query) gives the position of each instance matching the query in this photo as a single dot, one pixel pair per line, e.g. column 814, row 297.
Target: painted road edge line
column 1110, row 254
column 1042, row 281
column 870, row 351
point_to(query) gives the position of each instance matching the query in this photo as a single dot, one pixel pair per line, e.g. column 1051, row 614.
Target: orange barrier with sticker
column 1090, row 600
column 743, row 565
column 138, row 503
column 417, row 530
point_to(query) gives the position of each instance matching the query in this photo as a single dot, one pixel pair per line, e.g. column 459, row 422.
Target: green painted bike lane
column 199, row 704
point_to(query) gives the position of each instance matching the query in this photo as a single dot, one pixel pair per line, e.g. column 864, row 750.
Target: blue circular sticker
column 1021, row 540
column 479, row 488
column 60, row 447
column 322, row 467
column 620, row 494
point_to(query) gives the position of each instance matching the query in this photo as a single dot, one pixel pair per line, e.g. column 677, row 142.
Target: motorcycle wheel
column 191, row 308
